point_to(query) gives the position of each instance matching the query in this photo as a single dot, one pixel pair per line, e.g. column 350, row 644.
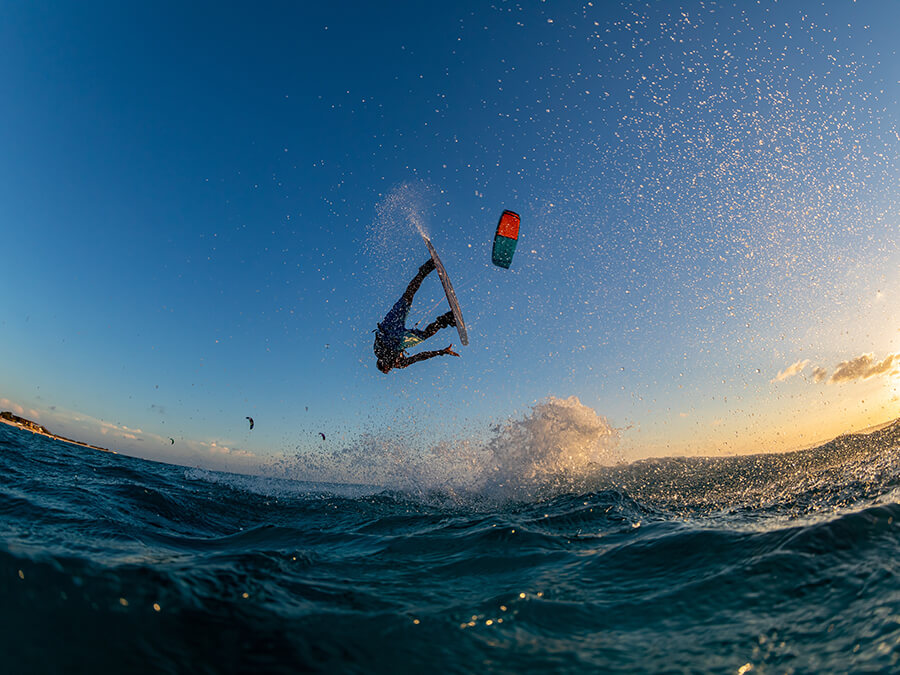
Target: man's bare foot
column 449, row 350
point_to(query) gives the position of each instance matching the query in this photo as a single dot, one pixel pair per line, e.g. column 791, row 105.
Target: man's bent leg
column 426, row 269
column 442, row 321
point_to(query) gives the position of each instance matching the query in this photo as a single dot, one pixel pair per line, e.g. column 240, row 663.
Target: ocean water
column 782, row 563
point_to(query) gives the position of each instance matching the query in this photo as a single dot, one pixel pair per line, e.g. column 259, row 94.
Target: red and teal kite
column 506, row 239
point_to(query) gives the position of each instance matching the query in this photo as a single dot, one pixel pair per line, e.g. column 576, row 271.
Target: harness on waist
column 389, row 345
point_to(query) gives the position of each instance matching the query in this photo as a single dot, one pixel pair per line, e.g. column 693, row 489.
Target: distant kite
column 173, row 441
column 251, row 422
column 322, row 435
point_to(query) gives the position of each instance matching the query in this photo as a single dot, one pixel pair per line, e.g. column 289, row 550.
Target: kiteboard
column 449, row 292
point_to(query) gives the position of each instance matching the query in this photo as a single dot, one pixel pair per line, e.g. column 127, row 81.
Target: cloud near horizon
column 127, row 432
column 793, row 369
column 6, row 404
column 214, row 448
column 861, row 367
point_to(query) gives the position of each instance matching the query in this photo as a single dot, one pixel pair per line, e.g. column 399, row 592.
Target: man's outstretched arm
column 405, row 361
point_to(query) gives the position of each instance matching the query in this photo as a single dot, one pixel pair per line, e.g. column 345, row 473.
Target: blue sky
column 194, row 205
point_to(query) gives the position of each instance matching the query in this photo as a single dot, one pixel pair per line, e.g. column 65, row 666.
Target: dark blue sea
column 771, row 563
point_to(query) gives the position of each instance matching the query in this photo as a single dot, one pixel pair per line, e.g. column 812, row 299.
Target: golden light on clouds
column 864, row 366
column 861, row 367
column 793, row 369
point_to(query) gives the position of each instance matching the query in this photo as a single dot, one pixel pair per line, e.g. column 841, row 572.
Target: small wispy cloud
column 214, row 448
column 121, row 429
column 791, row 370
column 819, row 374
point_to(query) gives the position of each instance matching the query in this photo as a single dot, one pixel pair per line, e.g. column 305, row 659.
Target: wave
column 563, row 447
column 560, row 449
column 564, row 559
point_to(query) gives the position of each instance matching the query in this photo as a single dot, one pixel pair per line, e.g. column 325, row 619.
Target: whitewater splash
column 553, row 448
column 394, row 234
column 404, row 204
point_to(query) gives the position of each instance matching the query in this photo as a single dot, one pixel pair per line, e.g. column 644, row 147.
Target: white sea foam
column 550, row 449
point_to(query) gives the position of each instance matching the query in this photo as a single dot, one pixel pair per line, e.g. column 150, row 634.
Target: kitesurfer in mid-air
column 393, row 338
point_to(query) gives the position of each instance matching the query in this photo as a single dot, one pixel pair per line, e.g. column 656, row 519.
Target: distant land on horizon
column 14, row 420
column 886, row 432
